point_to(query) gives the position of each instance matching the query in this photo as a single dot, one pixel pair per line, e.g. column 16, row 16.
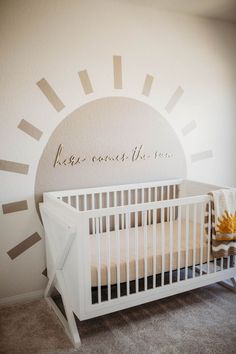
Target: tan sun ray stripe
column 117, row 68
column 147, row 85
column 14, row 207
column 189, row 127
column 30, row 129
column 12, row 166
column 174, row 99
column 201, row 155
column 51, row 95
column 85, row 82
column 24, row 245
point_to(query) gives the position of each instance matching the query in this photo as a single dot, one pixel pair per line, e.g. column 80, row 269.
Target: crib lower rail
column 153, row 282
column 133, row 287
column 141, row 297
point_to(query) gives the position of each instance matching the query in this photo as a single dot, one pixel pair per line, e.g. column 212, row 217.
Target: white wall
column 56, row 39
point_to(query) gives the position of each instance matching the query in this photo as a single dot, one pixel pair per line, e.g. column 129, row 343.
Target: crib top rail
column 201, row 199
column 122, row 209
column 115, row 188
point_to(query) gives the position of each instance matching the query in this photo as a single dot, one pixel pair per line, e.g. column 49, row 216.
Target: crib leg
column 229, row 284
column 69, row 324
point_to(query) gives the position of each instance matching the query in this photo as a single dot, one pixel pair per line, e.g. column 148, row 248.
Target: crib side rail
column 112, row 196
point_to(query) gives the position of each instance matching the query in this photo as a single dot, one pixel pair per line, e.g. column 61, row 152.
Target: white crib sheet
column 132, row 247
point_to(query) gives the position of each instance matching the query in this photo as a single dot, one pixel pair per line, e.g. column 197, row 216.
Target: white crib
column 110, row 248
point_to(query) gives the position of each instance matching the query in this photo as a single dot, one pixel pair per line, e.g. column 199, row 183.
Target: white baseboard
column 21, row 298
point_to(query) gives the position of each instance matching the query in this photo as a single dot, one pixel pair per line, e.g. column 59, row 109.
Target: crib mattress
column 140, row 263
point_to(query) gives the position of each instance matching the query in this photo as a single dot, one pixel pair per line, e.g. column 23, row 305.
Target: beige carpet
column 201, row 321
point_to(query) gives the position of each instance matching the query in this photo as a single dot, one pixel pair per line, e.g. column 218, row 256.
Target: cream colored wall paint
column 55, row 40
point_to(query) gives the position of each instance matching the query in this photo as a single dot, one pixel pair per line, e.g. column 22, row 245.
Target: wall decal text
column 136, row 154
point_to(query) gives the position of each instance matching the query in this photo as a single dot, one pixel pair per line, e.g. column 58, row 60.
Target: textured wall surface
column 57, row 56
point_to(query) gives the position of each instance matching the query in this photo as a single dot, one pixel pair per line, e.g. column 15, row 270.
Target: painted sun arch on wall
column 111, row 140
column 146, row 144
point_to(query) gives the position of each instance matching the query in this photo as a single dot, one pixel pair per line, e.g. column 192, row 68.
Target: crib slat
column 136, row 251
column 142, row 196
column 115, row 199
column 171, row 244
column 155, row 193
column 154, row 243
column 117, row 230
column 122, row 197
column 122, row 215
column 160, row 197
column 127, row 216
column 174, row 196
column 70, row 200
column 168, row 197
column 98, row 224
column 214, row 265
column 108, row 257
column 201, row 238
column 228, row 262
column 186, row 241
column 85, row 202
column 209, row 237
column 179, row 241
column 145, row 248
column 93, row 201
column 149, row 211
column 194, row 236
column 162, row 246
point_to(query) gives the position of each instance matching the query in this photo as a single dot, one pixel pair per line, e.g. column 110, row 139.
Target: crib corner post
column 84, row 267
